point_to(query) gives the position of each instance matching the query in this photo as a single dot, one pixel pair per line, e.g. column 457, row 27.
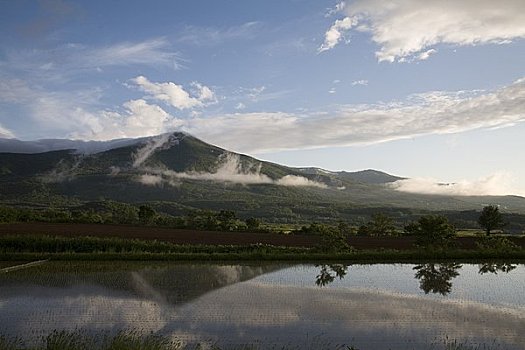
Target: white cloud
column 336, row 32
column 75, row 113
column 360, row 82
column 240, row 105
column 298, row 181
column 137, row 119
column 421, row 114
column 336, row 9
column 173, row 94
column 426, row 54
column 150, row 180
column 493, row 185
column 408, row 28
column 6, row 133
column 155, row 143
column 230, row 169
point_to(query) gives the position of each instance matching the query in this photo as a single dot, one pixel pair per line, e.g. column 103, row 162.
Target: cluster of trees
column 110, row 212
column 430, row 229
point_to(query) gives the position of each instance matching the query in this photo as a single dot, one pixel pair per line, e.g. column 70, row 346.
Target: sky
column 432, row 90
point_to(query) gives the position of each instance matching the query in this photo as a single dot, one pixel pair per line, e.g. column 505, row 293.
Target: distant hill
column 177, row 172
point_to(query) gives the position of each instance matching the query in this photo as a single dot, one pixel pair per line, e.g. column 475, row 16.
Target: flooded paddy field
column 272, row 305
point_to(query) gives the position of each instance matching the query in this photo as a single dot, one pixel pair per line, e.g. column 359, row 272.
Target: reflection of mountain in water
column 167, row 283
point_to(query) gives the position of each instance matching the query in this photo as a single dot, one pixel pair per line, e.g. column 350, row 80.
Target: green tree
column 432, row 230
column 227, row 220
column 380, row 225
column 147, row 214
column 332, row 239
column 122, row 213
column 490, row 218
column 253, row 223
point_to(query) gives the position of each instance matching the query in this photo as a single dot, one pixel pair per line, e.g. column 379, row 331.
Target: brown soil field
column 182, row 236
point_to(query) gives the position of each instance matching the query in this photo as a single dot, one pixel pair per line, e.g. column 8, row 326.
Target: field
column 196, row 237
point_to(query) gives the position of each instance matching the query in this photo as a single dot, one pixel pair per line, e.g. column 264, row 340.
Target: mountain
column 177, row 172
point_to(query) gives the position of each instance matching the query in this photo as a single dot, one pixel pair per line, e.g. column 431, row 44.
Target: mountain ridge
column 180, row 169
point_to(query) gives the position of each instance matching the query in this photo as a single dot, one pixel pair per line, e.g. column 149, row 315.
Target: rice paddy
column 183, row 305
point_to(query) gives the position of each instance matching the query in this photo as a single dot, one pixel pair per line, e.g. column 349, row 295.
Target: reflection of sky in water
column 374, row 307
column 495, row 289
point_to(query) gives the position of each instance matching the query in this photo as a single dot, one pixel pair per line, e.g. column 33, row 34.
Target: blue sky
column 433, row 90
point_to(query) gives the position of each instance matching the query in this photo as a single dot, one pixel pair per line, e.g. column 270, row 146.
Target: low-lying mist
column 499, row 184
column 229, row 170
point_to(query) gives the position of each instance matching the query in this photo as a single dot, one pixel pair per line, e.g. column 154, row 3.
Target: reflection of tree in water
column 436, row 278
column 495, row 267
column 329, row 272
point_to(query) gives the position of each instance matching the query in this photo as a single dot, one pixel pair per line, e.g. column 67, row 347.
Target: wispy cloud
column 67, row 61
column 409, row 29
column 149, row 52
column 210, row 36
column 422, row 114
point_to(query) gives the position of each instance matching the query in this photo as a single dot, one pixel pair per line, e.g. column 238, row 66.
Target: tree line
column 431, row 228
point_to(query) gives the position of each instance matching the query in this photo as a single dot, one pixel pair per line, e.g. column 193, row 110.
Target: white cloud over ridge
column 138, row 118
column 409, row 28
column 229, row 170
column 434, row 112
column 421, row 114
column 498, row 184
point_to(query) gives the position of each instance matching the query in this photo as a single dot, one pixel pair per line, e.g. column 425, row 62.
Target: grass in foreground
column 134, row 340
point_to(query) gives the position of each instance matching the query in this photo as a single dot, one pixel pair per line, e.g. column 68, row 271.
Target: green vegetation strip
column 135, row 340
column 30, row 248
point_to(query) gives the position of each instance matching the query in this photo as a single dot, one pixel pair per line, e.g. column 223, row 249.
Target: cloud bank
column 408, row 29
column 498, row 184
column 230, row 170
column 434, row 112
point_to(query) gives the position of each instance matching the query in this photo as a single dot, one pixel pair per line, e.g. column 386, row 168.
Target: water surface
column 381, row 306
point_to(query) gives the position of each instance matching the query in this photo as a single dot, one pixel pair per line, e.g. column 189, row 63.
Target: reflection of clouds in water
column 36, row 316
column 384, row 320
column 279, row 314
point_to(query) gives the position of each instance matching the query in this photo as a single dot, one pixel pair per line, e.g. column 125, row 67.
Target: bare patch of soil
column 182, row 236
